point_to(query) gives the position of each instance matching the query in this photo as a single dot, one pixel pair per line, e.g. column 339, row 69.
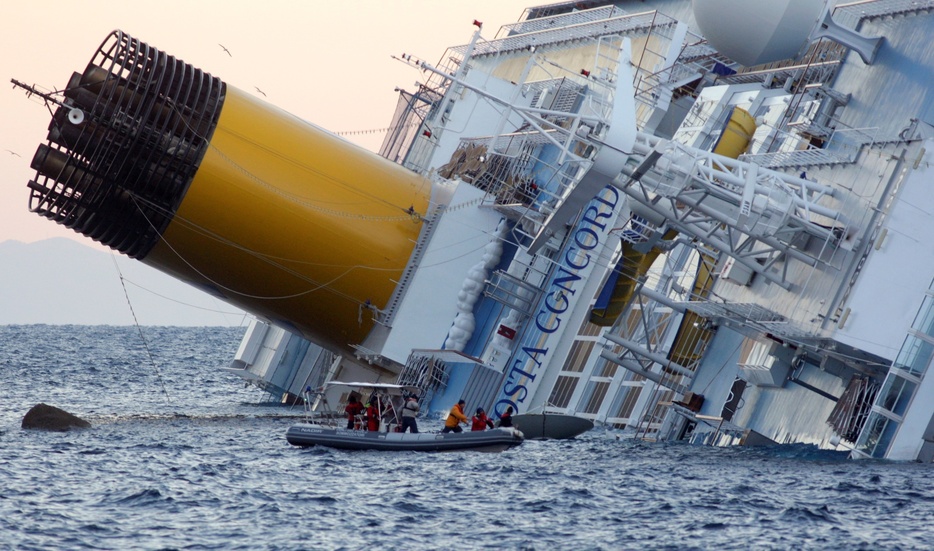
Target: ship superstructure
column 596, row 212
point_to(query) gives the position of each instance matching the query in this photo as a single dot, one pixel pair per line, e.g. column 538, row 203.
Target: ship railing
column 414, row 149
column 851, row 14
column 629, row 24
column 408, row 119
column 696, row 59
column 557, row 21
column 429, row 374
column 317, row 408
column 800, row 158
column 852, row 409
column 653, row 417
column 841, row 147
column 819, row 71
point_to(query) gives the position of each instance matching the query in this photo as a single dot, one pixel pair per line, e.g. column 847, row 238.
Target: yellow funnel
column 217, row 188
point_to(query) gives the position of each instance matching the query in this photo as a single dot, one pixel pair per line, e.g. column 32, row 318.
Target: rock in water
column 45, row 417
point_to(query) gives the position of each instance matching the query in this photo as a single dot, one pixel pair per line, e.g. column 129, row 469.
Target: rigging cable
column 140, row 329
column 317, row 285
column 291, row 196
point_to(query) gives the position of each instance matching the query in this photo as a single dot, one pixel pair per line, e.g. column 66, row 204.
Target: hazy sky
column 325, row 61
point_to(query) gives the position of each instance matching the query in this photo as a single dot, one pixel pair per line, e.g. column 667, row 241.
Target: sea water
column 182, row 455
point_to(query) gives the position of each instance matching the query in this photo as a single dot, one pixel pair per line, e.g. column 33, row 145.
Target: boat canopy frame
column 389, row 400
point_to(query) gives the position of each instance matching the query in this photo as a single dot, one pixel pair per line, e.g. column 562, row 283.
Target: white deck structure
column 785, row 295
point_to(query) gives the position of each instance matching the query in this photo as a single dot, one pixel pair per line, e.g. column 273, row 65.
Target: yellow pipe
column 686, row 349
column 736, row 135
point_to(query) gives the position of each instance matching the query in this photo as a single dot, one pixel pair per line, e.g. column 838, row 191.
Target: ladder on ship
column 653, row 415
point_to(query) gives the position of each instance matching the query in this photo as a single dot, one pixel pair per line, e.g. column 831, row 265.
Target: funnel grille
column 125, row 144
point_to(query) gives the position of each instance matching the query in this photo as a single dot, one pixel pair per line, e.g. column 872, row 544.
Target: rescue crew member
column 372, row 416
column 409, row 411
column 455, row 418
column 505, row 420
column 480, row 421
column 353, row 409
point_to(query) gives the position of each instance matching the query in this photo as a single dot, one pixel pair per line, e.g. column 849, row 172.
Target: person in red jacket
column 505, row 420
column 353, row 409
column 480, row 421
column 372, row 416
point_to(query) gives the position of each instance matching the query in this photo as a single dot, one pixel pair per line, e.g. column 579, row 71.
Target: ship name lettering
column 557, row 300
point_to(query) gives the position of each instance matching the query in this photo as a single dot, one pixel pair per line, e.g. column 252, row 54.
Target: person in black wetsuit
column 505, row 420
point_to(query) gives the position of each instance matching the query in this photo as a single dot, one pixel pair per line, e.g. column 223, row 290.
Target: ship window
column 896, row 394
column 914, row 355
column 588, row 329
column 877, row 436
column 631, row 396
column 563, row 390
column 658, row 324
column 577, row 359
column 924, row 322
column 633, row 321
column 608, row 369
column 596, row 397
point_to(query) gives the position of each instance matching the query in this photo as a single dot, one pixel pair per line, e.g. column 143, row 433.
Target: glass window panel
column 629, row 401
column 904, row 398
column 588, row 329
column 596, row 398
column 608, row 369
column 914, row 355
column 877, row 435
column 562, row 391
column 871, row 432
column 885, row 439
column 896, row 394
column 924, row 322
column 577, row 358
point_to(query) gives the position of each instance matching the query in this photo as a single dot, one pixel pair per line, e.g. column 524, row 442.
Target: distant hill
column 60, row 281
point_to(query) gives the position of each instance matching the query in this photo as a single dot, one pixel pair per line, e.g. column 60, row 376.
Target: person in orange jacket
column 480, row 421
column 455, row 418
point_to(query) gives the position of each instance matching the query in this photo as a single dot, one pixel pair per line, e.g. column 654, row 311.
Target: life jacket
column 480, row 422
column 353, row 409
column 455, row 417
column 410, row 409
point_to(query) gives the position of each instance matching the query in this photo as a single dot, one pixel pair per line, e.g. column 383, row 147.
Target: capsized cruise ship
column 705, row 221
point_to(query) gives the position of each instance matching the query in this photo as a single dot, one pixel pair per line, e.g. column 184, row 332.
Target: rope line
column 150, row 291
column 374, row 130
column 140, row 330
column 409, row 214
